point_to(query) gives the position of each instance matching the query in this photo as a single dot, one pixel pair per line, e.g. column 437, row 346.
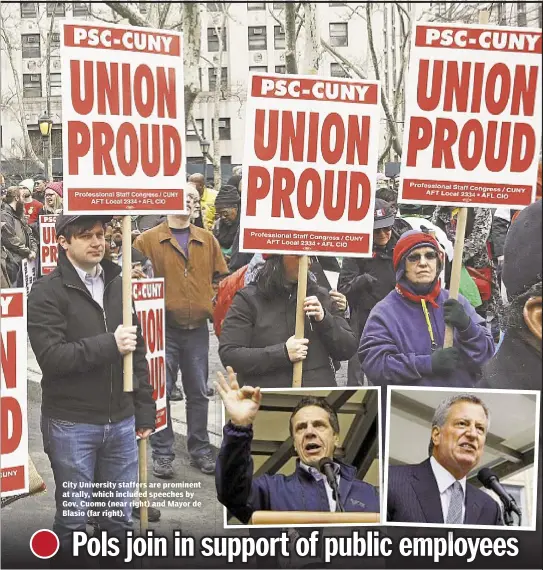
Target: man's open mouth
column 468, row 446
column 312, row 447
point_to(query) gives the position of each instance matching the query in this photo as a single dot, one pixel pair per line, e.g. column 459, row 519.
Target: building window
column 31, row 85
column 258, row 68
column 213, row 39
column 336, row 70
column 191, row 133
column 280, row 69
column 29, row 9
column 278, row 37
column 336, row 4
column 57, row 10
column 257, row 38
column 54, row 38
column 80, row 9
column 55, row 83
column 224, row 129
column 31, row 45
column 212, row 78
column 339, row 35
column 256, row 5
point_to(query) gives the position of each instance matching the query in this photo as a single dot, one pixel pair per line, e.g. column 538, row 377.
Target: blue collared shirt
column 318, row 476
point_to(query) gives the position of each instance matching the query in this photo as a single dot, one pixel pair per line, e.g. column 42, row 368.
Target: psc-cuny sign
column 148, row 296
column 473, row 116
column 14, row 406
column 123, row 120
column 310, row 165
column 48, row 244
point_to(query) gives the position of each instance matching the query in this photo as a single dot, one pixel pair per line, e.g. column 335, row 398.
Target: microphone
column 326, row 467
column 491, row 481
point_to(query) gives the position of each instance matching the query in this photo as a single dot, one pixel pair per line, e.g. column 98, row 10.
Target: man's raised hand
column 242, row 404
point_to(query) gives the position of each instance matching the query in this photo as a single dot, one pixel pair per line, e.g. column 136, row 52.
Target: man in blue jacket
column 314, row 428
column 403, row 337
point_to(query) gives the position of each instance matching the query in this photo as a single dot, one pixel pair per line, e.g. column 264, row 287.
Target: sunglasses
column 415, row 257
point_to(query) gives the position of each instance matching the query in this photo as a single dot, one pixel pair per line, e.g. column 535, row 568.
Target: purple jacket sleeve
column 475, row 342
column 381, row 359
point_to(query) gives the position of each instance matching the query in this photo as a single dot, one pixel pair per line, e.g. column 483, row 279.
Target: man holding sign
column 89, row 424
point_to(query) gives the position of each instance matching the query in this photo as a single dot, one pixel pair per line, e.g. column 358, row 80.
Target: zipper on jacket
column 86, row 292
column 110, row 372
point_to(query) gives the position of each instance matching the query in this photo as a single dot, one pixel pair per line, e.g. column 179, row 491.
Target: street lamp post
column 45, row 124
column 204, row 146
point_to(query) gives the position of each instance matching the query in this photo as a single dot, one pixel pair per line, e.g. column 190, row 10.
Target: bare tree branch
column 342, row 60
column 133, row 15
column 396, row 144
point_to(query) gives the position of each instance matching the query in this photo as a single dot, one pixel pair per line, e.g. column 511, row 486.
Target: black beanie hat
column 234, row 181
column 522, row 251
column 228, row 197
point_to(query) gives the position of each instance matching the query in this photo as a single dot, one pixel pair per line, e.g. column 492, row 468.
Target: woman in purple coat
column 402, row 342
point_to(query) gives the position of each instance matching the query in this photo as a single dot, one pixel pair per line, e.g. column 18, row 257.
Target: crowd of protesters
column 387, row 317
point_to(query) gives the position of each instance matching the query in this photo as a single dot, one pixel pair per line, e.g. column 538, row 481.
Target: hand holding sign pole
column 300, row 317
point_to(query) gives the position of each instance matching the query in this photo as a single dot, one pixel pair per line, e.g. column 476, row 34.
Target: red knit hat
column 55, row 187
column 411, row 240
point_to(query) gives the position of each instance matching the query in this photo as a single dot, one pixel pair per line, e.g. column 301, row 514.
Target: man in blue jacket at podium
column 319, row 483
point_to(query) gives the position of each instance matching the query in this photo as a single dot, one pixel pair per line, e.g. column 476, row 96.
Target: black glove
column 455, row 315
column 365, row 282
column 445, row 360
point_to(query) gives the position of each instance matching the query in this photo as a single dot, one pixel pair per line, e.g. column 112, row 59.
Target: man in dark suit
column 436, row 491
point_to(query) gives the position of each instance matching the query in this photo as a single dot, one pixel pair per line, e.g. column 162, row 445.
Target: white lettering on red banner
column 13, row 406
column 473, row 116
column 148, row 296
column 48, row 244
column 309, row 167
column 123, row 119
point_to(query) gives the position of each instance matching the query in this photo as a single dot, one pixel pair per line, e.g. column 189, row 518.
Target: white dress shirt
column 94, row 283
column 444, row 482
column 318, row 476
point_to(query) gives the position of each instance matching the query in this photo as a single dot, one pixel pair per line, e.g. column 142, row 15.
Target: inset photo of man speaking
column 299, row 457
column 462, row 458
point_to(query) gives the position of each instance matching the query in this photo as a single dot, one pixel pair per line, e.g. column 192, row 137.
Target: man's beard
column 19, row 209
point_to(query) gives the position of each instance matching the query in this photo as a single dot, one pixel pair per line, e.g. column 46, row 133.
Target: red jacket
column 227, row 289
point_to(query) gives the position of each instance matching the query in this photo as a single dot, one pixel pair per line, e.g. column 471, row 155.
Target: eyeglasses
column 415, row 257
column 382, row 230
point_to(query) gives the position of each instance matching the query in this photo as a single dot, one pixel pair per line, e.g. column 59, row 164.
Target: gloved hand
column 455, row 315
column 445, row 360
column 365, row 282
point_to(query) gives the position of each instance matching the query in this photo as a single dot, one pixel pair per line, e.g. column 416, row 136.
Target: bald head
column 198, row 181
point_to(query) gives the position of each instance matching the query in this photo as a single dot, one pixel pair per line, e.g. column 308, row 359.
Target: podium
column 289, row 518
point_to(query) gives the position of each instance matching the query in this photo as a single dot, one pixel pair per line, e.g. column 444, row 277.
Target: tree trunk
column 291, row 65
column 312, row 41
column 217, row 178
column 191, row 54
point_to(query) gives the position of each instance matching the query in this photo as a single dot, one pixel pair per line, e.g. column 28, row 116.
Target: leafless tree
column 10, row 45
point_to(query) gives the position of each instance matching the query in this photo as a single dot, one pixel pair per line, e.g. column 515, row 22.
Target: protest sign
column 473, row 116
column 148, row 295
column 30, row 273
column 13, row 408
column 48, row 244
column 310, row 165
column 123, row 120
